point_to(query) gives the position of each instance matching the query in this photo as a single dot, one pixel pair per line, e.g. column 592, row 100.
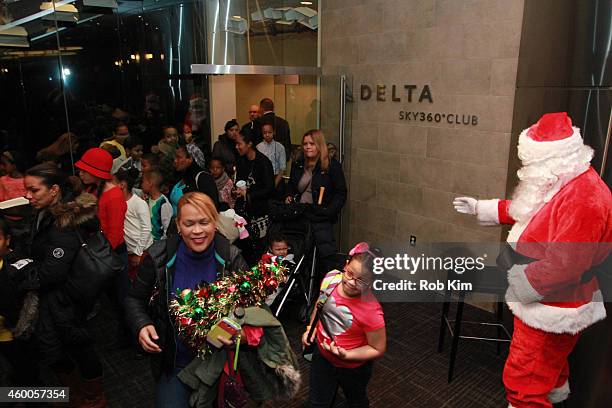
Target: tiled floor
column 411, row 374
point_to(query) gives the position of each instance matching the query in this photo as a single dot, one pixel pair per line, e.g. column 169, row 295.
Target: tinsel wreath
column 196, row 310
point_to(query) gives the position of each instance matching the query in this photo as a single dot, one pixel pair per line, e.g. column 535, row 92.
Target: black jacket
column 282, row 132
column 334, row 182
column 259, row 175
column 15, row 270
column 148, row 298
column 54, row 245
column 325, row 215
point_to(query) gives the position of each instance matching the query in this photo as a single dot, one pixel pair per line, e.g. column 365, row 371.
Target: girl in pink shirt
column 350, row 334
column 11, row 184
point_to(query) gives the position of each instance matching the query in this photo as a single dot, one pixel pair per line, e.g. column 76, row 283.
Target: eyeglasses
column 349, row 275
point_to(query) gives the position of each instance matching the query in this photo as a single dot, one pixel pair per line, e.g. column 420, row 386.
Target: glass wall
column 88, row 65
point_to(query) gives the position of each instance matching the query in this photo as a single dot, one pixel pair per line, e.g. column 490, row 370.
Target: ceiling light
column 306, row 3
column 132, row 56
column 66, row 72
column 148, row 56
column 14, row 37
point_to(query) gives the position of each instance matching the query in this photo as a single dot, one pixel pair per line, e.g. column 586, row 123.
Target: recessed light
column 306, row 3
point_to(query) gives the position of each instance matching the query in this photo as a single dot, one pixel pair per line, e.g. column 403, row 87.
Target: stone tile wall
column 404, row 175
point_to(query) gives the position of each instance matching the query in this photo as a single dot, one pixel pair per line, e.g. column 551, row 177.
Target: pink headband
column 361, row 248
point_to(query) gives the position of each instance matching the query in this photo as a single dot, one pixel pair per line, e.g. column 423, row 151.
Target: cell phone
column 225, row 328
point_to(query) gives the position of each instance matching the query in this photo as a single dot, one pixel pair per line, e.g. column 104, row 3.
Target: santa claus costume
column 562, row 226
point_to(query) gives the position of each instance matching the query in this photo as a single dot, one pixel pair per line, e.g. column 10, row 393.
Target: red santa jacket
column 566, row 237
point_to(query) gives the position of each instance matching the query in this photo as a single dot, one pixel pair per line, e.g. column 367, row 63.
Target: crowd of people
column 163, row 209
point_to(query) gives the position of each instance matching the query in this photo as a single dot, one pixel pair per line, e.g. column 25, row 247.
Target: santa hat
column 553, row 136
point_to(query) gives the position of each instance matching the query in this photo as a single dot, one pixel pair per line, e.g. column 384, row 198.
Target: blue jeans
column 171, row 392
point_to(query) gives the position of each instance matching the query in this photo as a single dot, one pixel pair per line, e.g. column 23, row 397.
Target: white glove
column 465, row 205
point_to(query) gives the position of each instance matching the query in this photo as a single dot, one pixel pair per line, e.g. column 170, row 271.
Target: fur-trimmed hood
column 76, row 213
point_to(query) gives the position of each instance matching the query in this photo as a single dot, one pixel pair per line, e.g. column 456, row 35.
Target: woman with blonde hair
column 196, row 254
column 318, row 180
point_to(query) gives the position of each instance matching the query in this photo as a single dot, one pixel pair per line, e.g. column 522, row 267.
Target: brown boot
column 73, row 382
column 93, row 394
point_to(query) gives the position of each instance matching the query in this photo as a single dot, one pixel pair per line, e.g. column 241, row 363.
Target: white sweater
column 137, row 227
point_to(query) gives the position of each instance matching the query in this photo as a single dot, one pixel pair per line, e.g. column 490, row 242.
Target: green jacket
column 269, row 371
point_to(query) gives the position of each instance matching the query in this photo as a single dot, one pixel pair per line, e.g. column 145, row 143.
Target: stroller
column 303, row 283
column 302, row 278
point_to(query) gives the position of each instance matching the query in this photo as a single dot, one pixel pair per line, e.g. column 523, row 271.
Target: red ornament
column 271, row 283
column 266, row 258
column 186, row 321
column 203, row 292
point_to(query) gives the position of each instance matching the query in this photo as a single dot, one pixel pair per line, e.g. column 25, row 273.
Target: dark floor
column 411, row 374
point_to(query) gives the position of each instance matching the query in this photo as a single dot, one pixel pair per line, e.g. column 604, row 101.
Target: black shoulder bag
column 94, row 267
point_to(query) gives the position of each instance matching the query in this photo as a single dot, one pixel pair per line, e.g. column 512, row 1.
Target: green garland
column 196, row 310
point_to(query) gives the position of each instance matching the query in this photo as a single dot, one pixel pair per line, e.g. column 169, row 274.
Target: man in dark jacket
column 281, row 126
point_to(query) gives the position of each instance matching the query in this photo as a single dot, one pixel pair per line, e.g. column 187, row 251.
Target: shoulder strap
column 329, row 284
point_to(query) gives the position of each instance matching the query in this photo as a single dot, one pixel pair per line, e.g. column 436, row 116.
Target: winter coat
column 54, row 244
column 325, row 215
column 148, row 298
column 269, row 371
column 334, row 182
column 18, row 306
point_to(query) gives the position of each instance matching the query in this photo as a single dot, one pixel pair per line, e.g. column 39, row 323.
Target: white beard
column 540, row 181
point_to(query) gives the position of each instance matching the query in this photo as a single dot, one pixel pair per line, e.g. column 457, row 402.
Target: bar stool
column 489, row 280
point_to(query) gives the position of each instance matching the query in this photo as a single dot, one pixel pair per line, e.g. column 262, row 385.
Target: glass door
column 301, row 95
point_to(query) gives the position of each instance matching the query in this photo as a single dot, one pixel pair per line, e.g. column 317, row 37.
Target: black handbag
column 94, row 267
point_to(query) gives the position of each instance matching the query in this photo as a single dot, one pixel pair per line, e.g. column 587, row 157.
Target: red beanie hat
column 551, row 127
column 97, row 162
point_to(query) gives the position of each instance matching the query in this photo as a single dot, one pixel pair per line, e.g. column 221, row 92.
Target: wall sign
column 411, row 93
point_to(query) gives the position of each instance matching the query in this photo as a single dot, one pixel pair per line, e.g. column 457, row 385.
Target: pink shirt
column 349, row 319
column 11, row 188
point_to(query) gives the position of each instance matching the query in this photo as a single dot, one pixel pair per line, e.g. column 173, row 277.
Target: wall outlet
column 413, row 240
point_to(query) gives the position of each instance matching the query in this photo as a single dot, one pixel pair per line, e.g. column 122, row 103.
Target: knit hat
column 97, row 162
column 553, row 136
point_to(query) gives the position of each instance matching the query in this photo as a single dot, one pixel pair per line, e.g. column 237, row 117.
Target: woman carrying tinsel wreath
column 184, row 286
column 197, row 254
